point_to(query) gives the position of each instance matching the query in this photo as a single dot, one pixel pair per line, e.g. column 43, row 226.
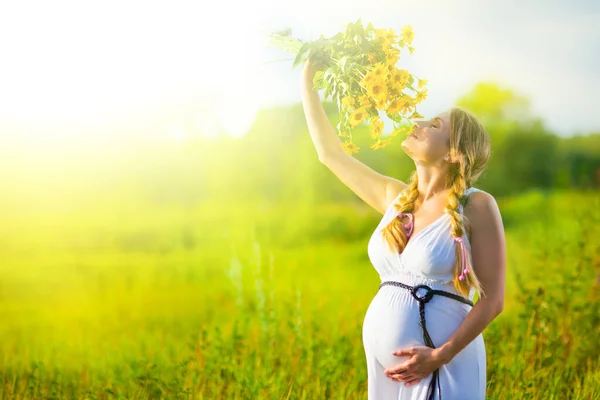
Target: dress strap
column 467, row 193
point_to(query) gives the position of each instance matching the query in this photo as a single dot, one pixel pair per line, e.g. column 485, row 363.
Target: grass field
column 249, row 302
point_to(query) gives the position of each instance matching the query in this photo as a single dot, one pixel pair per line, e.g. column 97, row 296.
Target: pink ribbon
column 410, row 224
column 464, row 268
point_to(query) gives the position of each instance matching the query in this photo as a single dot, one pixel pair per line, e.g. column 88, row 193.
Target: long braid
column 393, row 233
column 457, row 196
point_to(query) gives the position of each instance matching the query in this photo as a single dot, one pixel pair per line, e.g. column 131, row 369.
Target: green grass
column 235, row 304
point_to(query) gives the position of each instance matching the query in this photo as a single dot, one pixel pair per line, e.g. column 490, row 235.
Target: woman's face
column 429, row 140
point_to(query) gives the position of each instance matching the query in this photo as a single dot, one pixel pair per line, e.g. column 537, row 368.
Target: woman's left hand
column 423, row 361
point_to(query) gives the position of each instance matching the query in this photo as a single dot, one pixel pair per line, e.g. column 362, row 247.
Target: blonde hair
column 470, row 144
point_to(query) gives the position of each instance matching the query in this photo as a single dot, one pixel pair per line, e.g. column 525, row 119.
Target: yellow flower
column 393, row 92
column 416, row 115
column 379, row 94
column 376, row 127
column 368, row 80
column 400, row 77
column 381, row 37
column 422, row 82
column 344, row 133
column 390, row 35
column 422, row 95
column 402, row 129
column 394, row 107
column 390, row 38
column 363, row 101
column 350, row 148
column 378, row 90
column 357, row 117
column 348, row 101
column 392, row 56
column 406, row 102
column 408, row 34
column 381, row 143
column 379, row 71
column 413, row 101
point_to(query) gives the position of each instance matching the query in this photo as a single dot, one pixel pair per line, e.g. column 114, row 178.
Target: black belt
column 422, row 300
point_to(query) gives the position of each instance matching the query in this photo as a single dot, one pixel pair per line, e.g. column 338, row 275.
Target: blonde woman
column 439, row 241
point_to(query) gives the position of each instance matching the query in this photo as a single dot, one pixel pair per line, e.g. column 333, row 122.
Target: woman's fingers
column 408, row 380
column 403, row 377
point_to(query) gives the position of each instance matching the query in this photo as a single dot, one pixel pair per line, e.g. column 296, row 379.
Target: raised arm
column 373, row 188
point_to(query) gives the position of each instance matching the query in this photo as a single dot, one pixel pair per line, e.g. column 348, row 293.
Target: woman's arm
column 375, row 189
column 488, row 248
column 323, row 135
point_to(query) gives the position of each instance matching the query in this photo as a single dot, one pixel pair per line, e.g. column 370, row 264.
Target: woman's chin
column 406, row 147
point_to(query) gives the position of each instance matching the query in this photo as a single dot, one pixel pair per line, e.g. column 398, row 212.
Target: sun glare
column 70, row 65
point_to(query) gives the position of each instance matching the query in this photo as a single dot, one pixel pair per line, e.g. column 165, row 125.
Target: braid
column 393, row 233
column 457, row 196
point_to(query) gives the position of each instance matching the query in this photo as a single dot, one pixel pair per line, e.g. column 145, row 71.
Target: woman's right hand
column 308, row 71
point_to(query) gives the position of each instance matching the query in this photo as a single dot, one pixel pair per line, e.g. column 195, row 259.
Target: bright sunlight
column 76, row 68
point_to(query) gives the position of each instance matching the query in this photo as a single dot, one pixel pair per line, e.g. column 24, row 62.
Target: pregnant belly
column 392, row 323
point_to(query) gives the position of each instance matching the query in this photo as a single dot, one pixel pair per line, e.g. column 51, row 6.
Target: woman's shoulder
column 471, row 195
column 478, row 195
column 473, row 189
column 481, row 206
column 477, row 198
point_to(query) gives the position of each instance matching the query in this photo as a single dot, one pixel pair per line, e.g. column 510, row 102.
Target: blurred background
column 168, row 231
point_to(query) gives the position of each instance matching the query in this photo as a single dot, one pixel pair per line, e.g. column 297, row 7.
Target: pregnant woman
column 439, row 241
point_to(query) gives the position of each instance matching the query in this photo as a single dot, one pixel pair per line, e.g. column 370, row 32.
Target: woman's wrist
column 307, row 85
column 308, row 72
column 444, row 353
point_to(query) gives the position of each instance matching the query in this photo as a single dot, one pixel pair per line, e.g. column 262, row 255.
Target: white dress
column 392, row 319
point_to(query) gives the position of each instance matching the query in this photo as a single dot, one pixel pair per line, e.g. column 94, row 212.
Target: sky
column 182, row 68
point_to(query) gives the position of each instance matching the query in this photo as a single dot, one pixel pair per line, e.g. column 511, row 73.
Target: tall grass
column 236, row 305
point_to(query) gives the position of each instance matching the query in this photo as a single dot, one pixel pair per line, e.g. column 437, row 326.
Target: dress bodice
column 427, row 258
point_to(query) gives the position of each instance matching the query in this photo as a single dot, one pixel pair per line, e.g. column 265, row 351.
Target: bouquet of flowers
column 357, row 69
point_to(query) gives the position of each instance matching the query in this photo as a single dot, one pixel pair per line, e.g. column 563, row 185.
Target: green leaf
column 328, row 75
column 285, row 43
column 342, row 63
column 344, row 86
column 318, row 79
column 327, row 92
column 284, row 32
column 372, row 111
column 394, row 117
column 302, row 55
